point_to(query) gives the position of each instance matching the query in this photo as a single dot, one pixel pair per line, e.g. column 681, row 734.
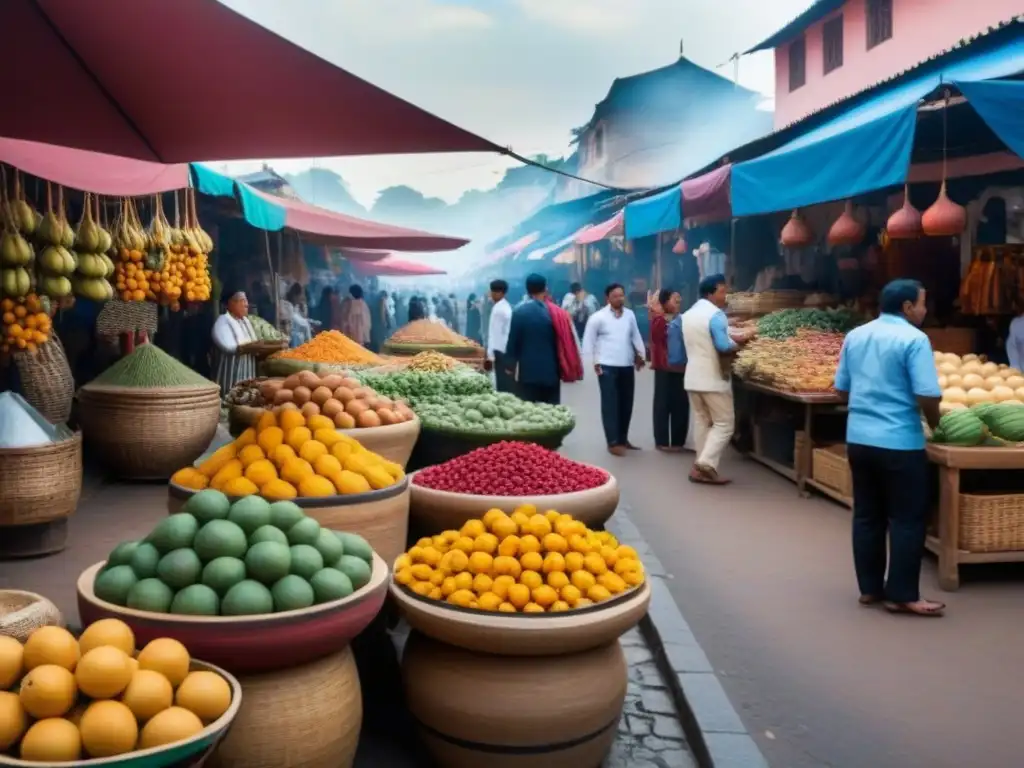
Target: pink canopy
column 513, row 249
column 707, row 196
column 392, row 267
column 192, row 80
column 597, row 232
column 337, row 229
column 92, row 171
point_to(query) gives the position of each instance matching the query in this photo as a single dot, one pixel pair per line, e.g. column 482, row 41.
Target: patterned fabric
column 233, row 368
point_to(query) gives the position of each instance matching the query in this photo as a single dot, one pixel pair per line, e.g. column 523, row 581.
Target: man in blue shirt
column 531, row 354
column 887, row 373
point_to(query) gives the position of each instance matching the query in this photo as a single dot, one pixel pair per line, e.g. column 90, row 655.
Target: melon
column 948, row 368
column 1001, row 393
column 955, row 395
column 945, row 406
column 954, row 380
column 939, row 357
column 969, row 358
column 1009, row 371
column 972, row 380
column 952, row 359
column 989, row 369
column 1014, row 382
column 943, row 383
column 991, row 382
column 978, row 395
column 971, row 367
column 1013, row 401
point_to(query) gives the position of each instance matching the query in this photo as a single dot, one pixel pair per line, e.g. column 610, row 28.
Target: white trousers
column 714, row 421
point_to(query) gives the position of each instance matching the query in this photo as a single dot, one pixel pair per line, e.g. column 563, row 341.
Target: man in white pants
column 708, row 383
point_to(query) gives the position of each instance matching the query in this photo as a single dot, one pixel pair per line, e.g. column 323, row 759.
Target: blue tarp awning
column 1000, row 103
column 257, row 211
column 864, row 149
column 662, row 212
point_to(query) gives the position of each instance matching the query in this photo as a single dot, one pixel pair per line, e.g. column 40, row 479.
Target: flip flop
column 907, row 609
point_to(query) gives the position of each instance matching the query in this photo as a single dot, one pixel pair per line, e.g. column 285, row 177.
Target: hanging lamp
column 846, row 230
column 796, row 233
column 905, row 224
column 944, row 218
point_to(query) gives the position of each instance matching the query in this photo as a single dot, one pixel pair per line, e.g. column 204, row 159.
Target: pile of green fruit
column 413, row 386
column 215, row 558
column 784, row 323
column 993, row 424
column 498, row 415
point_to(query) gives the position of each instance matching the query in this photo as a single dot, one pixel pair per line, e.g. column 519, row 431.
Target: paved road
column 765, row 580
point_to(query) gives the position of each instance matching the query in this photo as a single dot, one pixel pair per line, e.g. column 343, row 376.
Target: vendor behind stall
column 233, row 335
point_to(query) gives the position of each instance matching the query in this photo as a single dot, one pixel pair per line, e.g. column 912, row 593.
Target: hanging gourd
column 905, row 224
column 680, row 245
column 796, row 233
column 846, row 230
column 945, row 218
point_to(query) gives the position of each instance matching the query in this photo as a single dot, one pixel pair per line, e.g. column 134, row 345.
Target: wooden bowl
column 524, row 634
column 246, row 644
column 189, row 753
column 436, row 511
column 394, row 442
column 381, row 517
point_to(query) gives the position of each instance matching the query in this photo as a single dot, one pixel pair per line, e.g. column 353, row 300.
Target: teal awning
column 257, row 210
column 662, row 212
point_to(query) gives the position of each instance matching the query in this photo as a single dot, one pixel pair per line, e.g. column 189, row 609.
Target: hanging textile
column 662, row 212
column 1000, row 103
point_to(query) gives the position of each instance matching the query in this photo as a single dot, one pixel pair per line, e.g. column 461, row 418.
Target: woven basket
column 241, row 417
column 22, row 613
column 991, row 523
column 46, row 381
column 40, row 483
column 142, row 438
column 475, row 710
column 830, row 467
column 302, row 717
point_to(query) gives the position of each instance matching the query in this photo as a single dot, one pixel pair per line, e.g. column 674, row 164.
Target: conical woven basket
column 40, row 483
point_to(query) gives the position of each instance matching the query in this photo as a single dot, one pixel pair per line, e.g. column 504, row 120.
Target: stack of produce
column 265, row 331
column 23, row 309
column 343, row 400
column 246, row 393
column 426, row 335
column 131, row 272
column 55, row 261
column 332, row 347
column 433, row 362
column 186, row 266
column 494, row 415
column 412, row 385
column 215, row 558
column 525, row 562
column 511, row 469
column 785, row 323
column 804, row 362
column 148, row 367
column 289, row 455
column 26, row 323
column 970, row 381
column 92, row 277
column 63, row 699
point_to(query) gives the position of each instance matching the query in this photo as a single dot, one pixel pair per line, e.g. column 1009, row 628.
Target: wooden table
column 813, row 404
column 951, row 460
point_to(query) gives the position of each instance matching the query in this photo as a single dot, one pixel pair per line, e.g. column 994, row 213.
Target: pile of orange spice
column 331, row 347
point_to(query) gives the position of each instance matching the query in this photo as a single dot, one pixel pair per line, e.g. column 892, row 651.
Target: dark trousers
column 671, row 410
column 890, row 495
column 540, row 393
column 580, row 328
column 503, row 380
column 617, row 383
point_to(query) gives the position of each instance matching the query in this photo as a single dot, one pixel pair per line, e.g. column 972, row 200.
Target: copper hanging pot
column 944, row 218
column 846, row 230
column 905, row 224
column 679, row 246
column 796, row 233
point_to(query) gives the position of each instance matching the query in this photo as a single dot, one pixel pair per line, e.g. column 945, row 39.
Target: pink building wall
column 921, row 28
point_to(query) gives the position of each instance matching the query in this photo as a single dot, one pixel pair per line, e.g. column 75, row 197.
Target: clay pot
column 905, row 224
column 796, row 233
column 679, row 246
column 846, row 230
column 945, row 218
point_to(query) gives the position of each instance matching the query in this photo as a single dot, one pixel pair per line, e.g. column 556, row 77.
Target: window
column 599, row 142
column 832, row 43
column 797, row 64
column 879, row 21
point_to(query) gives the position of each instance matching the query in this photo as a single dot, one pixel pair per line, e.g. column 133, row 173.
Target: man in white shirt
column 580, row 305
column 612, row 339
column 497, row 337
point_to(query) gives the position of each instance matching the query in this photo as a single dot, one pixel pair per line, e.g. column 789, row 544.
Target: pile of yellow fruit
column 525, row 562
column 25, row 324
column 185, row 275
column 63, row 699
column 288, row 455
column 131, row 278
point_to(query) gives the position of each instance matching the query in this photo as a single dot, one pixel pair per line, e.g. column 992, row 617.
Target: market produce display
column 970, row 380
column 496, row 414
column 525, row 562
column 983, row 424
column 149, row 367
column 288, row 455
column 994, row 281
column 413, row 385
column 26, row 323
column 804, row 362
column 433, row 362
column 63, row 699
column 426, row 335
column 511, row 469
column 330, row 347
column 246, row 393
column 91, row 279
column 215, row 558
column 343, row 400
column 785, row 323
column 265, row 331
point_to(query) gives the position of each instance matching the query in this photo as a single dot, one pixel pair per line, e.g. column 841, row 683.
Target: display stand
column 813, row 405
column 958, row 541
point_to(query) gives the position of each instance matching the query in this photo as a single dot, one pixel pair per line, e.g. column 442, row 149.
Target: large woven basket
column 22, row 613
column 40, row 483
column 991, row 522
column 46, row 380
column 148, row 434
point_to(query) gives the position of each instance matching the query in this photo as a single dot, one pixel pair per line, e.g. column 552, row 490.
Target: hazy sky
column 519, row 72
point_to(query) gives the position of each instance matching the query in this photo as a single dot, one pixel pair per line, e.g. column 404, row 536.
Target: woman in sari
column 233, row 335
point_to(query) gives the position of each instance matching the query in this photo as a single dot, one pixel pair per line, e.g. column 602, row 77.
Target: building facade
column 840, row 47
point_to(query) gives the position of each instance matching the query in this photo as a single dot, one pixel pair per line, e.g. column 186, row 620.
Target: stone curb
column 714, row 731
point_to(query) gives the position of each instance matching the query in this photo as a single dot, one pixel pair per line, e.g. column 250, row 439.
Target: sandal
column 917, row 608
column 869, row 600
